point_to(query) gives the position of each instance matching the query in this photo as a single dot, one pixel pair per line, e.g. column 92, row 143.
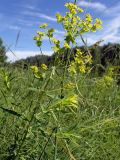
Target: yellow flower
column 108, row 80
column 34, row 69
column 98, row 23
column 36, row 73
column 44, row 67
column 93, row 29
column 71, row 6
column 74, row 21
column 73, row 11
column 80, row 10
column 59, row 17
column 79, row 61
column 44, row 25
column 70, row 85
column 66, row 45
column 72, row 68
column 41, row 33
column 88, row 18
column 55, row 49
column 72, row 101
column 55, row 41
column 88, row 59
column 50, row 32
column 82, row 69
column 105, row 82
column 78, row 52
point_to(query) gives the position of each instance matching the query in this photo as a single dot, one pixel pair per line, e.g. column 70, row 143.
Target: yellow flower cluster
column 59, row 17
column 105, row 82
column 70, row 101
column 72, row 22
column 34, row 69
column 56, row 46
column 108, row 80
column 66, row 45
column 88, row 18
column 44, row 67
column 80, row 62
column 37, row 73
column 50, row 32
column 69, row 85
column 74, row 26
column 97, row 25
column 73, row 8
column 39, row 37
column 44, row 25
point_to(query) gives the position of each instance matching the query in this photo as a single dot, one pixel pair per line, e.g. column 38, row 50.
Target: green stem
column 55, row 148
column 75, row 1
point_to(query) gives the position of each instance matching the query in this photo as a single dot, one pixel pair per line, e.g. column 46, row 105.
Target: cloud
column 40, row 15
column 29, row 7
column 59, row 32
column 111, row 27
column 114, row 10
column 112, row 24
column 95, row 5
column 112, row 30
column 12, row 27
column 47, row 17
column 24, row 54
column 28, row 23
column 109, row 33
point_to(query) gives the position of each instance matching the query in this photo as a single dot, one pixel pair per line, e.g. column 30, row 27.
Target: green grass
column 36, row 125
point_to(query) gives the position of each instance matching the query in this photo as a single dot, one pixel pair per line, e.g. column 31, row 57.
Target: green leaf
column 33, row 89
column 11, row 112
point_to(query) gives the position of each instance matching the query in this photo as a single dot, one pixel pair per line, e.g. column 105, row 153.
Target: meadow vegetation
column 62, row 111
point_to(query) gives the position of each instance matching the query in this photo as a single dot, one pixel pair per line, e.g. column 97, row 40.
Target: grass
column 37, row 124
column 54, row 115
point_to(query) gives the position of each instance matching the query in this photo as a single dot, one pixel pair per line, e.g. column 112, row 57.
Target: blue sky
column 25, row 16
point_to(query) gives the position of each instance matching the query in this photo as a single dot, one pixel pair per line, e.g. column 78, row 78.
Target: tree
column 3, row 56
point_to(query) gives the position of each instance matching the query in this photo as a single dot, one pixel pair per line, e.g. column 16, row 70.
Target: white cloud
column 47, row 17
column 113, row 10
column 30, row 7
column 112, row 30
column 109, row 33
column 27, row 6
column 111, row 27
column 28, row 23
column 39, row 15
column 59, row 32
column 95, row 5
column 12, row 27
column 17, row 55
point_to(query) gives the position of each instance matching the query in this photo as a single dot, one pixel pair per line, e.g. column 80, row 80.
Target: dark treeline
column 33, row 60
column 3, row 56
column 103, row 56
column 106, row 55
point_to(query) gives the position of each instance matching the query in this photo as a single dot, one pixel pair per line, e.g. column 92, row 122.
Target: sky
column 21, row 18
